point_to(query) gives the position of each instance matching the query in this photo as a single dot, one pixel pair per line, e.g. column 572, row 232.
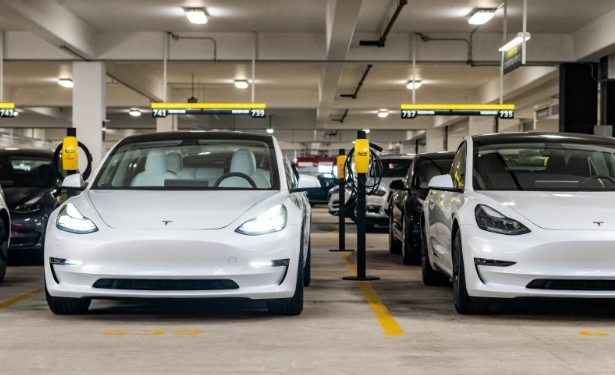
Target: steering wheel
column 235, row 174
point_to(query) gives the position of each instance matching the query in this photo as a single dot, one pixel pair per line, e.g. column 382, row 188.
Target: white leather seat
column 175, row 162
column 243, row 161
column 156, row 171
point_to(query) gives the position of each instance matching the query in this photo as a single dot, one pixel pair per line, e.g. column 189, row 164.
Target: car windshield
column 394, row 167
column 544, row 167
column 25, row 171
column 191, row 164
column 429, row 168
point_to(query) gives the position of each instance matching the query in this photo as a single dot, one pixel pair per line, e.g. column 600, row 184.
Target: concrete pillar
column 166, row 124
column 434, row 138
column 90, row 105
column 480, row 125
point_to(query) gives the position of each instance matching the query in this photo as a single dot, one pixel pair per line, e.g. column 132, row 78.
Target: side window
column 458, row 169
column 291, row 179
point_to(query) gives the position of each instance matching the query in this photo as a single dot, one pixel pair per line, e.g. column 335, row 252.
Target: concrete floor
column 338, row 333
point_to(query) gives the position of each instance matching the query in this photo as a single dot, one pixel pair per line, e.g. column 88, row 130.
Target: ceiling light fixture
column 241, row 84
column 66, row 82
column 383, row 113
column 366, row 131
column 134, row 112
column 414, row 85
column 481, row 16
column 196, row 16
column 269, row 130
column 515, row 42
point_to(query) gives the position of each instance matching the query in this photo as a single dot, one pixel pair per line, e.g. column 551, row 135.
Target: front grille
column 558, row 284
column 165, row 284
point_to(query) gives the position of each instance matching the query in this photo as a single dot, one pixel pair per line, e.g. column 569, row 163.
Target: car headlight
column 29, row 207
column 492, row 221
column 272, row 220
column 71, row 220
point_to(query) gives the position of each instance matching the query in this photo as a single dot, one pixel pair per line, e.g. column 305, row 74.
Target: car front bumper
column 581, row 263
column 166, row 256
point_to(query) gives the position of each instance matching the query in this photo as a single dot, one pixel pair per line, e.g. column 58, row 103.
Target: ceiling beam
column 137, row 79
column 54, row 23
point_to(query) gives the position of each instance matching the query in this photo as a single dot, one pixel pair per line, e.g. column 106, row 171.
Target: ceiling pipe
column 383, row 38
column 177, row 37
column 468, row 43
column 341, row 119
column 361, row 81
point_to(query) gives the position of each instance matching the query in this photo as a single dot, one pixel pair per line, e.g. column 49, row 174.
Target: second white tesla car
column 183, row 215
column 523, row 215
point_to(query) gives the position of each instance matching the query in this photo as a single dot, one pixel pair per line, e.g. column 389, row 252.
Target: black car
column 406, row 204
column 31, row 192
column 327, row 181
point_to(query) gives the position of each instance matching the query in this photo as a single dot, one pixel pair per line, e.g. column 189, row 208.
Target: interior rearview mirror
column 397, row 185
column 74, row 181
column 443, row 182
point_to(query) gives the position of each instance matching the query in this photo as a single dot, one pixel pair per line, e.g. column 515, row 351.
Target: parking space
column 344, row 328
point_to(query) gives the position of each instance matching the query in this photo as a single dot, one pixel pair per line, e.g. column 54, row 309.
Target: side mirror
column 308, row 182
column 397, row 185
column 442, row 182
column 74, row 181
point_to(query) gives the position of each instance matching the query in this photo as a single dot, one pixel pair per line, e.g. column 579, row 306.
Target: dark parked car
column 407, row 201
column 317, row 196
column 31, row 193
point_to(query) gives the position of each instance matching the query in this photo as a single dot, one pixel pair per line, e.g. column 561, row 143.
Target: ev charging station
column 341, row 212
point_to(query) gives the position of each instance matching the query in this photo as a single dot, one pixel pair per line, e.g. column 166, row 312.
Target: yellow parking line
column 387, row 321
column 20, row 297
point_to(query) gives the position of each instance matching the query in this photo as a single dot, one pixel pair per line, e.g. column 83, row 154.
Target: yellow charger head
column 361, row 153
column 341, row 164
column 70, row 152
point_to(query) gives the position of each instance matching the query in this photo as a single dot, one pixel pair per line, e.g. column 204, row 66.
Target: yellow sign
column 7, row 109
column 503, row 111
column 361, row 155
column 256, row 110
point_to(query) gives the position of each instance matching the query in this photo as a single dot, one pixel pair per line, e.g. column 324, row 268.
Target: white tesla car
column 183, row 215
column 523, row 215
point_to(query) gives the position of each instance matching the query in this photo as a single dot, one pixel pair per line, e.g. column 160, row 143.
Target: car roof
column 27, row 152
column 489, row 139
column 397, row 156
column 165, row 136
column 437, row 155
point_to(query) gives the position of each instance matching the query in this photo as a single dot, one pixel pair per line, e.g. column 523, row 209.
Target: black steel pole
column 341, row 212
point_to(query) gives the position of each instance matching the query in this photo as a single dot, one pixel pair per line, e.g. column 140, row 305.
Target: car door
column 396, row 206
column 302, row 200
column 442, row 206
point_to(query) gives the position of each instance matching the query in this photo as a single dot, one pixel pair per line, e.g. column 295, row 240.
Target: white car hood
column 125, row 209
column 560, row 210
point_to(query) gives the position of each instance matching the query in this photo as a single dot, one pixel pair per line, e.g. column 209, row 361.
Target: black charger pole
column 341, row 212
column 362, row 159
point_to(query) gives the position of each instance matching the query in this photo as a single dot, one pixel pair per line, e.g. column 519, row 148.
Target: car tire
column 430, row 276
column 307, row 269
column 292, row 306
column 67, row 306
column 464, row 304
column 409, row 253
column 394, row 244
column 4, row 258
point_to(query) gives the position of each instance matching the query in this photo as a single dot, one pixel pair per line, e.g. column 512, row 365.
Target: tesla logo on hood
column 166, row 222
column 598, row 223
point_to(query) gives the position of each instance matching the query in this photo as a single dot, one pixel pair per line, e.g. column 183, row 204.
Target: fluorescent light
column 414, row 85
column 481, row 16
column 515, row 42
column 134, row 112
column 241, row 83
column 196, row 16
column 269, row 131
column 66, row 82
column 383, row 113
column 366, row 131
column 12, row 148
